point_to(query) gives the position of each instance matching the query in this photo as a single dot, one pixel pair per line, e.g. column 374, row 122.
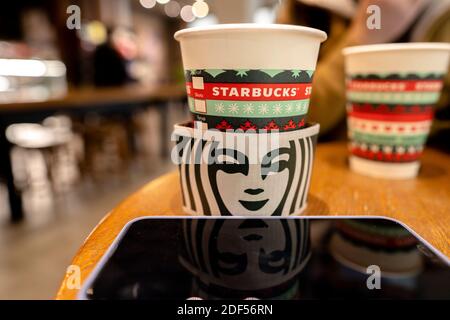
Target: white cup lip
column 249, row 27
column 383, row 47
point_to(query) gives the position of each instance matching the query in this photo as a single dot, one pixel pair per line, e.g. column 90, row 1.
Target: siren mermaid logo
column 239, row 174
column 246, row 187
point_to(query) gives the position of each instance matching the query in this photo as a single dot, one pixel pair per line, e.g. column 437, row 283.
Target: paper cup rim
column 354, row 265
column 249, row 27
column 386, row 47
column 309, row 130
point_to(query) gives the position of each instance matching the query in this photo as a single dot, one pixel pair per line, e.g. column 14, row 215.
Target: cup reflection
column 241, row 258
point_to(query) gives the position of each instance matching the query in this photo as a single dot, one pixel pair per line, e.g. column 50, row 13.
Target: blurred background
column 90, row 89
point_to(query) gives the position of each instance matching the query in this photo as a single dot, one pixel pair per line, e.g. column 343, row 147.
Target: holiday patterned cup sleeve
column 357, row 244
column 390, row 115
column 249, row 99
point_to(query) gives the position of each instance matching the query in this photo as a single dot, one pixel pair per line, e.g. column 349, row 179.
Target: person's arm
column 439, row 31
column 327, row 104
column 328, row 101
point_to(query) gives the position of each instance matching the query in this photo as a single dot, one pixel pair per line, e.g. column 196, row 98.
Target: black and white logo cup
column 244, row 173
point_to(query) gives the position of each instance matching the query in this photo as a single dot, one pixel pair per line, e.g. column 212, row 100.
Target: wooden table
column 421, row 204
column 115, row 100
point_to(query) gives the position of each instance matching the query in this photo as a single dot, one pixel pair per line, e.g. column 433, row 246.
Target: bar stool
column 107, row 150
column 67, row 154
column 38, row 156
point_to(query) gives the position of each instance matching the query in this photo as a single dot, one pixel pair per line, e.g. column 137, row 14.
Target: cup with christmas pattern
column 391, row 93
column 249, row 76
column 242, row 173
column 360, row 243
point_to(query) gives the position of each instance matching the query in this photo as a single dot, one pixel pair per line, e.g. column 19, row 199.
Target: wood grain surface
column 422, row 204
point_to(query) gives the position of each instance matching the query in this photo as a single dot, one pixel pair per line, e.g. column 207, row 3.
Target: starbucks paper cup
column 241, row 258
column 359, row 244
column 391, row 93
column 244, row 174
column 250, row 76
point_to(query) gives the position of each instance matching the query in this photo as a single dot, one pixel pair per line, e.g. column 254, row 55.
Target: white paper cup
column 244, row 174
column 358, row 244
column 250, row 76
column 391, row 93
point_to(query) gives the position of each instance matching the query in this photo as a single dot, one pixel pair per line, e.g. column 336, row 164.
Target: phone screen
column 282, row 258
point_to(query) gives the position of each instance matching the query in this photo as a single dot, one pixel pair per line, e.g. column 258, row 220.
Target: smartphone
column 270, row 258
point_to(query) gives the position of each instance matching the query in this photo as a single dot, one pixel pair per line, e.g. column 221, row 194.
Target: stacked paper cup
column 391, row 93
column 250, row 151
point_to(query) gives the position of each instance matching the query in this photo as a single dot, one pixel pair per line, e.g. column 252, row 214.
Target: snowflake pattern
column 233, row 108
column 296, row 73
column 300, row 107
column 242, row 73
column 220, row 108
column 248, row 108
column 277, row 109
column 263, row 109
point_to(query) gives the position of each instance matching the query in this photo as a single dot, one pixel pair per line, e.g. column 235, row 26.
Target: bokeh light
column 186, row 14
column 200, row 9
column 94, row 32
column 172, row 9
column 148, row 4
column 4, row 84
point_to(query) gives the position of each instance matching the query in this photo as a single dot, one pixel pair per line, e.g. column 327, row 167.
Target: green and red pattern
column 389, row 116
column 277, row 124
column 387, row 237
column 386, row 156
column 249, row 99
column 395, row 109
